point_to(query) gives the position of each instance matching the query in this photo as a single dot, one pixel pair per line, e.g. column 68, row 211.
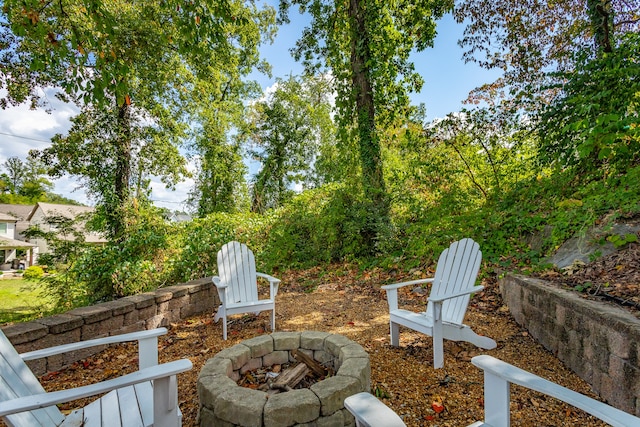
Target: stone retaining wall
column 598, row 341
column 148, row 310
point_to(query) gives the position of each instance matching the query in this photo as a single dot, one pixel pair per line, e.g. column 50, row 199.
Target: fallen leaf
column 437, row 407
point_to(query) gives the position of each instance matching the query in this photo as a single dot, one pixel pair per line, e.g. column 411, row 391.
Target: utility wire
column 24, row 137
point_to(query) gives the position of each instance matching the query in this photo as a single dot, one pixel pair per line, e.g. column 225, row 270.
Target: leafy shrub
column 317, row 226
column 33, row 273
column 198, row 242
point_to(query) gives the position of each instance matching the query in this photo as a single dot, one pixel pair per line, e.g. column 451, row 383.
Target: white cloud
column 23, row 129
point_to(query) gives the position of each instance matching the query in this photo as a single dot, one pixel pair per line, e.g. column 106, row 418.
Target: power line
column 24, row 137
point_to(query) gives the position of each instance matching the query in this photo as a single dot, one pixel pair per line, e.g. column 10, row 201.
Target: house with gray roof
column 14, row 253
column 43, row 212
column 21, row 213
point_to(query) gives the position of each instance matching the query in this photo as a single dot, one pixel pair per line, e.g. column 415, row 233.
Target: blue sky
column 448, row 81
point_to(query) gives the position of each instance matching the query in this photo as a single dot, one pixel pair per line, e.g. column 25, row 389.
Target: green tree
column 285, row 133
column 25, row 179
column 219, row 106
column 66, row 243
column 35, row 186
column 220, row 184
column 366, row 46
column 133, row 67
column 527, row 39
column 16, row 172
column 594, row 123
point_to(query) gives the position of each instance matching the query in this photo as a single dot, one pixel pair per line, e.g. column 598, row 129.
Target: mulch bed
column 349, row 302
column 614, row 278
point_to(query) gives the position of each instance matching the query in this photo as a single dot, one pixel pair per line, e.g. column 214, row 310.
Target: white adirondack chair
column 498, row 377
column 451, row 289
column 146, row 397
column 237, row 284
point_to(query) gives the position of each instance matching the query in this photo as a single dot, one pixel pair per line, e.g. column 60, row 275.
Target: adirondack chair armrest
column 273, row 284
column 441, row 298
column 140, row 336
column 369, row 411
column 43, row 400
column 395, row 286
column 216, row 281
column 392, row 291
column 221, row 287
column 499, row 373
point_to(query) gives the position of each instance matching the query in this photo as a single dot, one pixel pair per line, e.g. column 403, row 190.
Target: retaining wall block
column 102, row 329
column 238, row 355
column 335, row 419
column 93, row 313
column 212, row 386
column 23, row 333
column 143, row 300
column 259, row 346
column 275, row 358
column 333, row 390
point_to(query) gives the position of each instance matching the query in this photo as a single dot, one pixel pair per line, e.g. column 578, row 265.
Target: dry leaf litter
column 343, row 300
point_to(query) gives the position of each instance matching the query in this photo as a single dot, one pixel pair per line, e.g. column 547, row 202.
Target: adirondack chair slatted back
column 237, row 269
column 457, row 270
column 17, row 380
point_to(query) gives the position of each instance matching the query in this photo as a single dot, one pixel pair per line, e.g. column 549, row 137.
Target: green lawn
column 21, row 300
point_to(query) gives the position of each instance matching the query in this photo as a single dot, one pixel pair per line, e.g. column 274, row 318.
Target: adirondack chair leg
column 468, row 335
column 438, row 338
column 273, row 320
column 224, row 328
column 496, row 401
column 222, row 314
column 147, row 352
column 394, row 330
column 165, row 404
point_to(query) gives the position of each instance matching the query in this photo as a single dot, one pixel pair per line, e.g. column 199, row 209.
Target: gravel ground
column 347, row 301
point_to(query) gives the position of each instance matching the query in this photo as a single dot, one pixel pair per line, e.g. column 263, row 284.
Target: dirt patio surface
column 349, row 302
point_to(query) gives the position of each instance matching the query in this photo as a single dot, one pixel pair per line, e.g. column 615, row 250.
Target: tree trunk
column 601, row 16
column 369, row 142
column 123, row 171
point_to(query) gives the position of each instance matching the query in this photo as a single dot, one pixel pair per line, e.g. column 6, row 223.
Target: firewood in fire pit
column 315, row 367
column 289, row 378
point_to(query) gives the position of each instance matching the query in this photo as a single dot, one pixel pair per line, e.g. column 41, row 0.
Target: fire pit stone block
column 291, row 408
column 286, row 340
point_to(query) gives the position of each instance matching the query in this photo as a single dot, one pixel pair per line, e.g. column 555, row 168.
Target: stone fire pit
column 224, row 403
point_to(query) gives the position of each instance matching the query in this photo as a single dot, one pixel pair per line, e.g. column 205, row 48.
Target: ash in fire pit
column 224, row 403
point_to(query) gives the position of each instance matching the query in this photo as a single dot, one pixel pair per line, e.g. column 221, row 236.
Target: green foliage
column 133, row 265
column 318, row 226
column 285, row 132
column 584, row 287
column 366, row 47
column 596, row 120
column 620, row 241
column 33, row 273
column 198, row 242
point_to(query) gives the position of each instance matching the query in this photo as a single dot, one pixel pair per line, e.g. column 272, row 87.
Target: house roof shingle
column 68, row 211
column 21, row 212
